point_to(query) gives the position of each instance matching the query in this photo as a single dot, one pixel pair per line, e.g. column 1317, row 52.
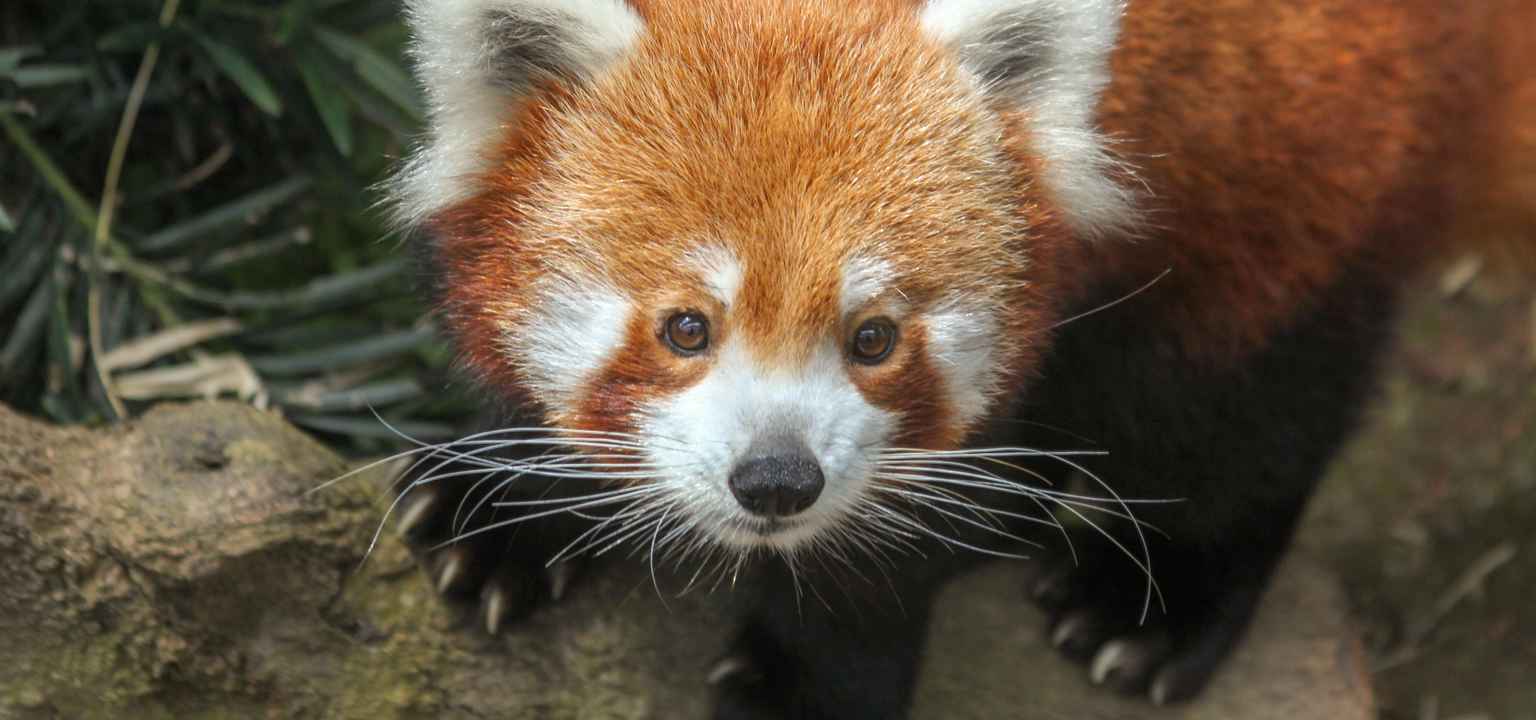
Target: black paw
column 1166, row 650
column 755, row 680
column 491, row 549
column 750, row 679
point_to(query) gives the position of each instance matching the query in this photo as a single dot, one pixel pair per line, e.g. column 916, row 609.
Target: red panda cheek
column 910, row 386
column 641, row 373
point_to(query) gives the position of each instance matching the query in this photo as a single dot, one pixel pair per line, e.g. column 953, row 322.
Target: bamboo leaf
column 376, row 394
column 315, row 293
column 206, row 376
column 65, row 353
column 145, row 350
column 368, row 426
column 372, row 66
column 329, row 358
column 12, row 55
column 20, row 347
column 23, row 267
column 130, row 37
column 232, row 213
column 331, row 104
column 36, row 76
column 237, row 68
column 49, row 170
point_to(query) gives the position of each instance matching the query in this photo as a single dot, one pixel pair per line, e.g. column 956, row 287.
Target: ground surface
column 1430, row 517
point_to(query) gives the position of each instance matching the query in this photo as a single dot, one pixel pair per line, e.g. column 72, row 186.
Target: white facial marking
column 475, row 59
column 575, row 328
column 864, row 278
column 1051, row 57
column 703, row 432
column 962, row 342
column 721, row 271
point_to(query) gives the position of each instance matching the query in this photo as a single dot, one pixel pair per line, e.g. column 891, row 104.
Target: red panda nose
column 777, row 485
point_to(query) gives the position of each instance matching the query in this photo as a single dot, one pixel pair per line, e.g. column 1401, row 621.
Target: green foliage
column 237, row 143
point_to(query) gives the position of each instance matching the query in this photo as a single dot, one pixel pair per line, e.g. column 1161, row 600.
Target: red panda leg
column 822, row 643
column 1242, row 446
column 486, row 532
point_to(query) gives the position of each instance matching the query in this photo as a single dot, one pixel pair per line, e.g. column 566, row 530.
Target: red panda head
column 768, row 239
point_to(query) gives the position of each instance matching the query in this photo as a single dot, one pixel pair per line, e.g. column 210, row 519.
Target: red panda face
column 769, row 241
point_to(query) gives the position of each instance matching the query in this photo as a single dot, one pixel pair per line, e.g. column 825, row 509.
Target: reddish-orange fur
column 1285, row 144
column 829, row 168
column 1285, row 141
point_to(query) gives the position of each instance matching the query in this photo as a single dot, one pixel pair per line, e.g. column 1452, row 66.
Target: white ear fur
column 475, row 59
column 1051, row 57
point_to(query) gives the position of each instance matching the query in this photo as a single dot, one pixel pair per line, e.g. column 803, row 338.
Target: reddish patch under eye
column 908, row 385
column 641, row 372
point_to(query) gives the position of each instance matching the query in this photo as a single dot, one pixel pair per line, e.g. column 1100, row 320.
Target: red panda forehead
column 794, row 134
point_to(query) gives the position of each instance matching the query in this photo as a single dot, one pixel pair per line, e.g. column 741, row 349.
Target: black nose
column 777, row 485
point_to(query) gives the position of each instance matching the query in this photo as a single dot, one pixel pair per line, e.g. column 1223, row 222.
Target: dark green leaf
column 236, row 67
column 35, row 76
column 330, row 358
column 324, row 290
column 331, row 104
column 48, row 170
column 368, row 426
column 239, row 211
column 12, row 55
column 7, row 225
column 23, row 267
column 21, row 347
column 379, row 71
column 130, row 37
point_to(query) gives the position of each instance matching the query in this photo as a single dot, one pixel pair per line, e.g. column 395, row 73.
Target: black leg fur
column 1243, row 446
column 822, row 645
column 449, row 502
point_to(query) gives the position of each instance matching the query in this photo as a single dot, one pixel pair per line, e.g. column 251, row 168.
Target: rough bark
column 178, row 567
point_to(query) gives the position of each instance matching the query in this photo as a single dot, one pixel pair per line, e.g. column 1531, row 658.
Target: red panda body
column 790, row 279
column 1280, row 141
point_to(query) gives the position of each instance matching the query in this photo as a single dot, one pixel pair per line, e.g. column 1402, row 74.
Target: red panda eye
column 687, row 333
column 873, row 341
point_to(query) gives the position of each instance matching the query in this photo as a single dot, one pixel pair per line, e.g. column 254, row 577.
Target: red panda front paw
column 494, row 560
column 1098, row 617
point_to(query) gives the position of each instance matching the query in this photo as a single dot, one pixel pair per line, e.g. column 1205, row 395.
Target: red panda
column 804, row 276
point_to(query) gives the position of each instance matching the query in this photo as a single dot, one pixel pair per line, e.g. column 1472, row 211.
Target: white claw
column 1160, row 690
column 560, row 575
column 1066, row 629
column 1106, row 661
column 452, row 568
column 417, row 508
column 726, row 668
column 495, row 610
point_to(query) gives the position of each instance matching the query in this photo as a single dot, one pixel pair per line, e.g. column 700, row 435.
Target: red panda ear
column 1050, row 59
column 476, row 59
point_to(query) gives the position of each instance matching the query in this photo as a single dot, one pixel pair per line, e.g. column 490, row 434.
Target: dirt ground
column 1430, row 517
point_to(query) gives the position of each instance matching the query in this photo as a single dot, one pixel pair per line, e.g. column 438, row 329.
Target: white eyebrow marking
column 720, row 269
column 864, row 278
